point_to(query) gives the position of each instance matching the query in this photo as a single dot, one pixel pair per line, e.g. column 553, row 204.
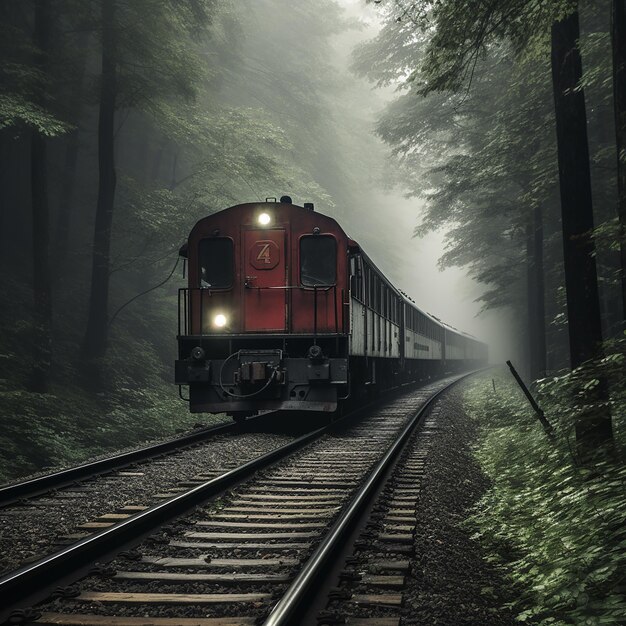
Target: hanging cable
column 143, row 293
column 246, row 395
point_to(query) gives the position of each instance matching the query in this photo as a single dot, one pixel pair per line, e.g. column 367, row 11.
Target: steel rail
column 290, row 607
column 31, row 581
column 42, row 484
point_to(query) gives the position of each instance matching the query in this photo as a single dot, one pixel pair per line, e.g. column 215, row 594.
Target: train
column 283, row 311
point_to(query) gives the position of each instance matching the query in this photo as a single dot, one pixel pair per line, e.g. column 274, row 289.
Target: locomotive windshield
column 215, row 257
column 318, row 260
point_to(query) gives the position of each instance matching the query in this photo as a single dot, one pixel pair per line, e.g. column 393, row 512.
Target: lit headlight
column 220, row 320
column 264, row 219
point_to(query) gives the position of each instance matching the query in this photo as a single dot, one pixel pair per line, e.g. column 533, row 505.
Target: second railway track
column 255, row 553
column 30, row 488
column 39, row 524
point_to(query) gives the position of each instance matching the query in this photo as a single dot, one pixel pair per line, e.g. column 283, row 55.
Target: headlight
column 264, row 219
column 220, row 320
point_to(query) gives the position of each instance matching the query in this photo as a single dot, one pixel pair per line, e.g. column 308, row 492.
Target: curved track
column 286, row 524
column 56, row 480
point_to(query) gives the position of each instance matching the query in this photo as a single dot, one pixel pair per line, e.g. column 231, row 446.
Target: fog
column 384, row 221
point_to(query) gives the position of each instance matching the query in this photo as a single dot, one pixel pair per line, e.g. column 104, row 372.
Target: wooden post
column 540, row 414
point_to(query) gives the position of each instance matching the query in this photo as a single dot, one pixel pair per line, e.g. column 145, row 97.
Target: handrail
column 314, row 315
column 319, row 288
column 187, row 306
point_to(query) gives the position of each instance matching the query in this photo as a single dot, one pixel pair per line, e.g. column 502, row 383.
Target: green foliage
column 217, row 103
column 16, row 111
column 555, row 527
column 472, row 133
column 571, row 395
column 23, row 85
column 70, row 424
column 457, row 35
column 481, row 159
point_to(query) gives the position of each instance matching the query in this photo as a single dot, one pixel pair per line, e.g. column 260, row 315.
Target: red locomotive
column 285, row 312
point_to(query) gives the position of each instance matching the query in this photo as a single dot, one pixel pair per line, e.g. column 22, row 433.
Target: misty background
column 214, row 103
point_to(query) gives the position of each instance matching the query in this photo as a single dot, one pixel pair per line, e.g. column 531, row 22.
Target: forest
column 502, row 123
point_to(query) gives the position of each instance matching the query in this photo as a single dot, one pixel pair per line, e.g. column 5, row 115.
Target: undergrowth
column 137, row 400
column 554, row 524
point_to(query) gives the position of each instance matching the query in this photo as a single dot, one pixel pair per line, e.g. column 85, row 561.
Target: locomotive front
column 263, row 323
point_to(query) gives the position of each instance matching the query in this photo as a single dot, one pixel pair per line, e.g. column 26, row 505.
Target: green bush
column 137, row 400
column 556, row 526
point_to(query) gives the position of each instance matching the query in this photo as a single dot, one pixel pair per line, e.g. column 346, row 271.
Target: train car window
column 216, row 261
column 385, row 301
column 372, row 290
column 359, row 278
column 318, row 260
column 353, row 278
column 360, row 283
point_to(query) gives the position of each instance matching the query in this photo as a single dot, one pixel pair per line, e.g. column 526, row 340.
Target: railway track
column 33, row 527
column 9, row 494
column 255, row 553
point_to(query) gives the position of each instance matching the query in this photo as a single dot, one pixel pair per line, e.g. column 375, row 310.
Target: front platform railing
column 193, row 304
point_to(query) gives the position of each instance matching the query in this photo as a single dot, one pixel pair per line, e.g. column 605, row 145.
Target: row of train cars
column 284, row 311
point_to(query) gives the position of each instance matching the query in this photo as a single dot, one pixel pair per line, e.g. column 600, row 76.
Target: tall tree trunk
column 68, row 181
column 4, row 204
column 96, row 335
column 65, row 201
column 535, row 295
column 618, row 35
column 540, row 310
column 42, row 310
column 583, row 305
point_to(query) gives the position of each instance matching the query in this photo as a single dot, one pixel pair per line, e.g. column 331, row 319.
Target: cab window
column 318, row 260
column 216, row 258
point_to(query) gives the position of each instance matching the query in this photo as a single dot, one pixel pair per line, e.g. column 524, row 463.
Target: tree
column 459, row 40
column 482, row 160
column 618, row 37
column 27, row 117
column 142, row 62
column 96, row 335
column 583, row 304
column 42, row 311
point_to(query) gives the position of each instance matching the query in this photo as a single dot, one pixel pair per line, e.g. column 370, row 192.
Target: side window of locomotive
column 356, row 278
column 216, row 262
column 318, row 260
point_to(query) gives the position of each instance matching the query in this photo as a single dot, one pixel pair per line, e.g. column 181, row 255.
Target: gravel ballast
column 29, row 531
column 451, row 583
